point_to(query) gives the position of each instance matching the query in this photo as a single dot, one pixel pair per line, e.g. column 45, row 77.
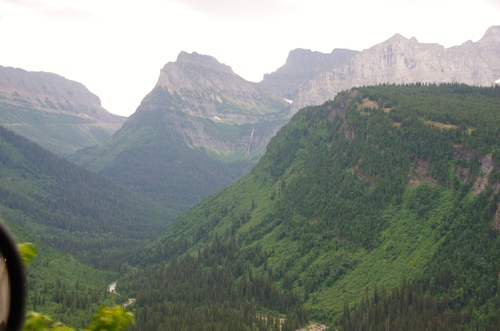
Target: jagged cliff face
column 59, row 114
column 400, row 60
column 300, row 67
column 212, row 107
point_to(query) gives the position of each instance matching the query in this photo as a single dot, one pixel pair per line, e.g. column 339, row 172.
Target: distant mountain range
column 202, row 126
column 199, row 129
column 399, row 60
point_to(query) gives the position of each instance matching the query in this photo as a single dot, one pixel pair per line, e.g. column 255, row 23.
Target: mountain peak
column 492, row 32
column 400, row 38
column 201, row 60
column 492, row 35
column 39, row 82
column 397, row 36
column 200, row 85
column 300, row 67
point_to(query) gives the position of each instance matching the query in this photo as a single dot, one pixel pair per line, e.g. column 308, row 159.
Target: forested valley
column 376, row 210
column 86, row 228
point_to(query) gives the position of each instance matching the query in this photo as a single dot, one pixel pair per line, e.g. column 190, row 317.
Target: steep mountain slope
column 86, row 228
column 382, row 186
column 399, row 61
column 59, row 114
column 70, row 208
column 300, row 67
column 198, row 130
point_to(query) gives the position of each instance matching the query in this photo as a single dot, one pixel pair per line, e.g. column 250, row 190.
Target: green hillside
column 87, row 228
column 61, row 133
column 387, row 188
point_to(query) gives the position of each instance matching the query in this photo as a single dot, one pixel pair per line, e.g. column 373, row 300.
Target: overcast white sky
column 116, row 48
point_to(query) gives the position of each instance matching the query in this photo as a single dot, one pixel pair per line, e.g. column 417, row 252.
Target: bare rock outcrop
column 481, row 182
column 496, row 221
column 207, row 87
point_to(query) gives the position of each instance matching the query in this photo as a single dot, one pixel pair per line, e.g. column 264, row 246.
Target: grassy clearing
column 441, row 126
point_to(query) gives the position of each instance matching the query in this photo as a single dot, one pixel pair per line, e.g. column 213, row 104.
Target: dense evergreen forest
column 377, row 210
column 87, row 228
column 215, row 289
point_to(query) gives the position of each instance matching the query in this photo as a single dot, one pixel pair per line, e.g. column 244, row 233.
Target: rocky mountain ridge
column 201, row 94
column 51, row 92
column 399, row 60
column 60, row 114
column 217, row 101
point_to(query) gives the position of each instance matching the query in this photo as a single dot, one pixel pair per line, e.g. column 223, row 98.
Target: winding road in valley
column 112, row 289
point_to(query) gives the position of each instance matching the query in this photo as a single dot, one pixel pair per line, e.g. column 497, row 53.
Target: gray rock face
column 400, row 60
column 300, row 67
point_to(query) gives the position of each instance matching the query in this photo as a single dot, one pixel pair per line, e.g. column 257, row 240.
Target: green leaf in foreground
column 105, row 319
column 111, row 319
column 27, row 252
